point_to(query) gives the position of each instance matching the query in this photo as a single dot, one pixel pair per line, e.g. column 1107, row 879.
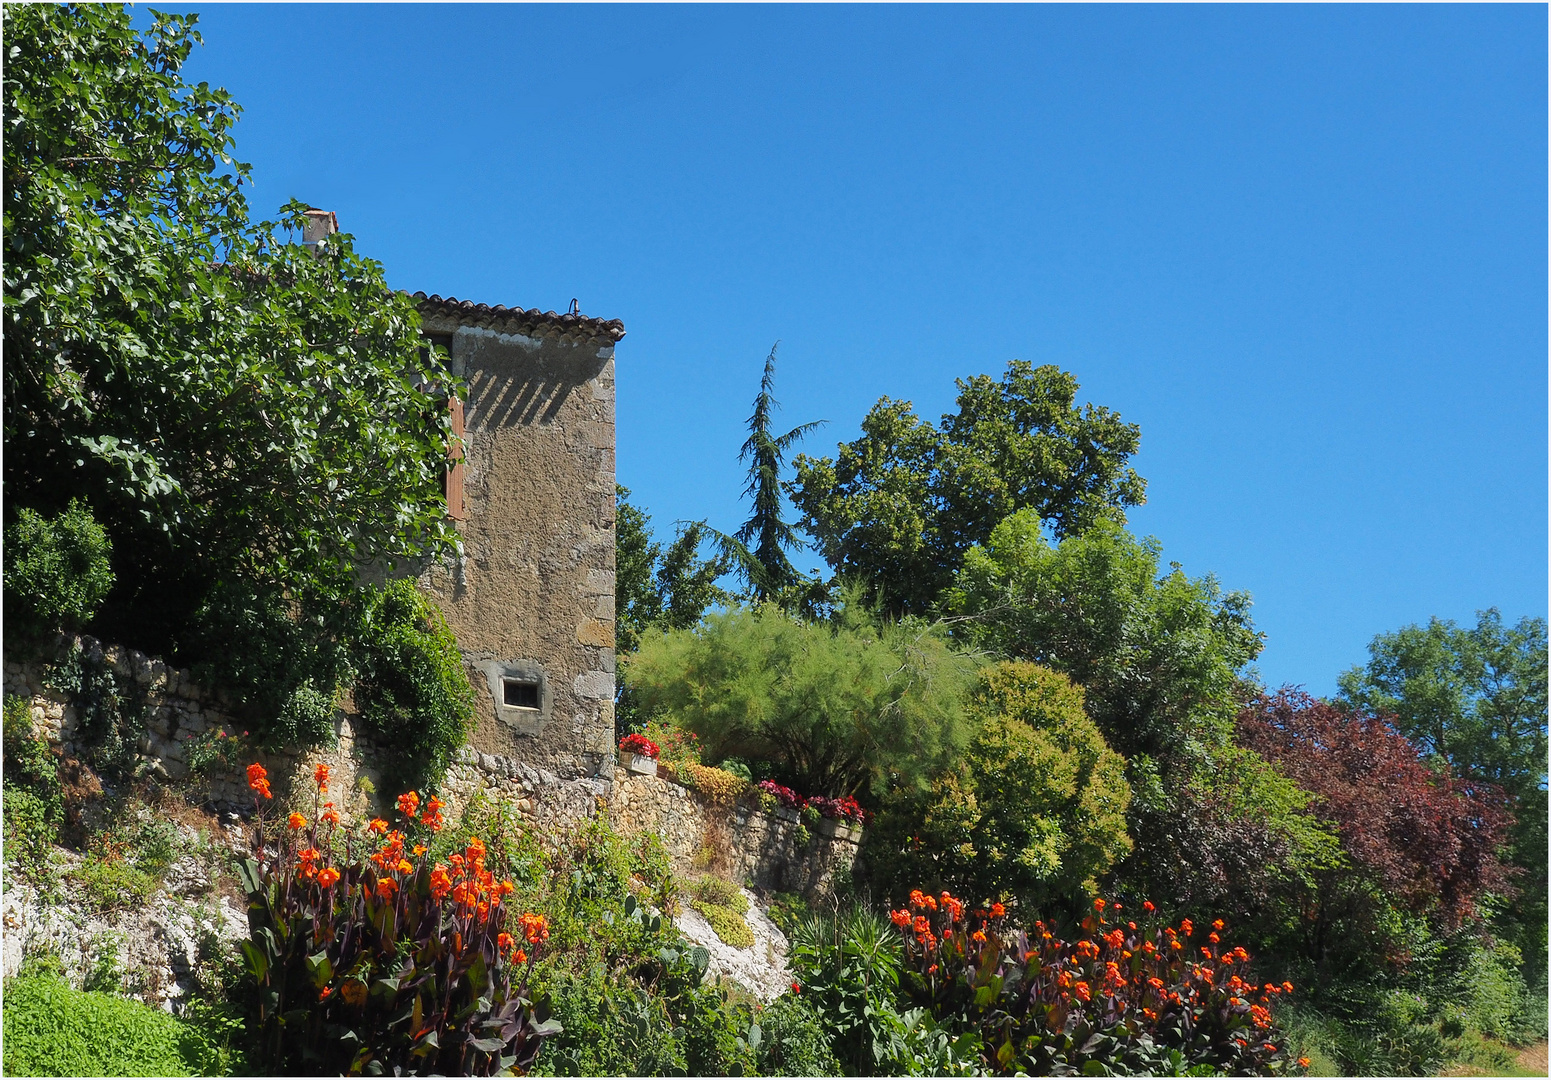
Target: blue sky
column 1303, row 247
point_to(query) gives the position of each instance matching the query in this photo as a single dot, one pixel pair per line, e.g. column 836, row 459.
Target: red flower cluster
column 639, row 744
column 783, row 794
column 846, row 809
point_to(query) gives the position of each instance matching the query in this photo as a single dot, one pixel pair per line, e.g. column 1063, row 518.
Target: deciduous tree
column 897, row 508
column 253, row 421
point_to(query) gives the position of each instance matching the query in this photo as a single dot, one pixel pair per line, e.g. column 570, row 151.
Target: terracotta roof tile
column 529, row 321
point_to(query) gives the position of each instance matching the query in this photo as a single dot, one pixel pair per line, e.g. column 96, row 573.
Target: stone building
column 531, row 599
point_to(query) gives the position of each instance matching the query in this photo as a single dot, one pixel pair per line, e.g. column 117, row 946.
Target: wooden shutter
column 454, row 477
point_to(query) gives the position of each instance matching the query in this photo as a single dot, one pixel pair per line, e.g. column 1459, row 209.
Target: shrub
column 719, row 788
column 56, row 571
column 111, row 709
column 53, row 1030
column 412, row 690
column 215, row 751
column 32, row 797
column 386, row 962
column 1128, row 997
column 836, row 706
column 1034, row 811
column 847, row 968
column 275, row 653
column 793, row 1040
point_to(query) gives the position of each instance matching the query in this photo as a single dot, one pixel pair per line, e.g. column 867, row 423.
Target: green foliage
column 847, row 965
column 413, row 693
column 837, row 707
column 1033, row 812
column 669, row 588
column 724, row 907
column 107, row 973
column 1476, row 698
column 259, row 645
column 113, row 884
column 897, row 508
column 245, row 416
column 794, row 1041
column 1232, row 834
column 111, row 709
column 1158, row 657
column 759, row 548
column 53, row 1030
column 33, row 799
column 56, row 571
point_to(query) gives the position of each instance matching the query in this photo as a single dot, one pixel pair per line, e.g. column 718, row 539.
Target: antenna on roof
column 575, row 307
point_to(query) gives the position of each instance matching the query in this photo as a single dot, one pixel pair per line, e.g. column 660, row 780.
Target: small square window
column 520, row 693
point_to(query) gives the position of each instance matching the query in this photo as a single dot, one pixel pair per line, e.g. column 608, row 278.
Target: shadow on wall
column 512, row 394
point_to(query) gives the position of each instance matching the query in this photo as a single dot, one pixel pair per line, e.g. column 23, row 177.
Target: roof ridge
column 522, row 318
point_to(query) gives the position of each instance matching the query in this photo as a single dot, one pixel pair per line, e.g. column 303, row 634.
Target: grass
column 53, row 1030
column 724, row 907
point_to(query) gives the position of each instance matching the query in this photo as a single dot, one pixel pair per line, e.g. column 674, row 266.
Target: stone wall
column 178, row 710
column 740, row 843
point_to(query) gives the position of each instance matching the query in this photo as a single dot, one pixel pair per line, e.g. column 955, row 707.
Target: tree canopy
column 838, row 707
column 1159, row 656
column 252, row 420
column 897, row 508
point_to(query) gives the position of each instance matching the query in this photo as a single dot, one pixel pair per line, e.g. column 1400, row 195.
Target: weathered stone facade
column 531, row 599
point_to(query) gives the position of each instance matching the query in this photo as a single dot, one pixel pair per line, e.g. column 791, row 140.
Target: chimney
column 320, row 223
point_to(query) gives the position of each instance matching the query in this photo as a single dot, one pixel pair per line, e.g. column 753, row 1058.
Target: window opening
column 520, row 693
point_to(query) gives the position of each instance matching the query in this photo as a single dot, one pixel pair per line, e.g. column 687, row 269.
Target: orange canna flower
column 1098, row 904
column 409, row 804
column 1287, row 988
column 386, row 887
column 1213, row 938
column 504, row 941
column 433, row 813
column 535, row 928
column 377, row 825
column 256, row 773
column 1083, row 992
column 978, row 936
column 418, row 850
column 320, row 776
column 441, row 883
column 325, row 992
column 1303, row 1063
column 404, row 866
column 1186, row 928
column 900, row 917
column 1217, row 925
column 328, row 876
column 296, row 821
column 329, row 814
column 519, row 957
column 1147, row 906
column 997, row 911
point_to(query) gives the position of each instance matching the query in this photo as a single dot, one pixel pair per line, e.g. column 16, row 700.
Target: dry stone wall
column 740, row 843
